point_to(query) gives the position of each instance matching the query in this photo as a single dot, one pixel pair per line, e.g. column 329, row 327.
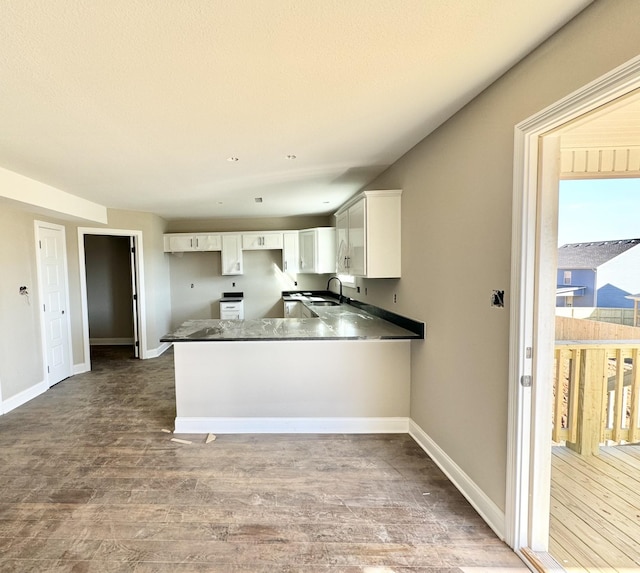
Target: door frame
column 139, row 276
column 528, row 453
column 38, row 225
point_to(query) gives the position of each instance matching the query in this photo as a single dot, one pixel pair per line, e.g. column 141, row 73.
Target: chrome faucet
column 340, row 297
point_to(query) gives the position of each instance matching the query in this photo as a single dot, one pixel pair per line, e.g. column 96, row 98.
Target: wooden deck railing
column 596, row 394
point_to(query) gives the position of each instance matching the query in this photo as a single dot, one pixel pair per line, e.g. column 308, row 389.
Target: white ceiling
column 137, row 104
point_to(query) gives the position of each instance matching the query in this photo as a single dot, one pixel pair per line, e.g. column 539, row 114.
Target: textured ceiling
column 137, row 104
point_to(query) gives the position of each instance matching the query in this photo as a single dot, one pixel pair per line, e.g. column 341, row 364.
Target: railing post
column 591, row 402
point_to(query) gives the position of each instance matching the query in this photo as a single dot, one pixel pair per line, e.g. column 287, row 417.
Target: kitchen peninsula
column 345, row 369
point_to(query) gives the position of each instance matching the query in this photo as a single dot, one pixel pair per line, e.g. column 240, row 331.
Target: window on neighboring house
column 569, row 301
column 567, row 277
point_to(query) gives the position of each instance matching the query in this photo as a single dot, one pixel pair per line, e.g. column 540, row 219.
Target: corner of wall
column 487, row 509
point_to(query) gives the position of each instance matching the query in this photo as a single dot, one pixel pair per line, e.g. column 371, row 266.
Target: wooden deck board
column 595, row 510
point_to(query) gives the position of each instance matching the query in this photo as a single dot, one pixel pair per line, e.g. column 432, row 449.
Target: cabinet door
column 292, row 309
column 272, row 241
column 342, row 242
column 290, row 252
column 181, row 243
column 307, row 252
column 231, row 255
column 357, row 262
column 258, row 241
column 208, row 242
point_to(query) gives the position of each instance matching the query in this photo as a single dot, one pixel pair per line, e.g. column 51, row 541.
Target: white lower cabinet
column 296, row 309
column 292, row 309
column 232, row 255
column 232, row 310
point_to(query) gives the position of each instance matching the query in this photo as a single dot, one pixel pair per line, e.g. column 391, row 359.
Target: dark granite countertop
column 342, row 322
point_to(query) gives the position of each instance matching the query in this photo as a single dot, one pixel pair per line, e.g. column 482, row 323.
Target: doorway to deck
column 595, row 466
column 537, row 173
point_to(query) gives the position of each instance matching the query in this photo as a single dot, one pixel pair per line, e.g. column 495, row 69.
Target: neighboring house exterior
column 598, row 273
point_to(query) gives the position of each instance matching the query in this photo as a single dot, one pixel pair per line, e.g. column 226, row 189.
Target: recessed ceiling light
column 291, row 156
column 258, row 199
column 233, row 159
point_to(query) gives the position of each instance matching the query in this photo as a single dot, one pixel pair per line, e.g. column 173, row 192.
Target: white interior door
column 134, row 296
column 54, row 298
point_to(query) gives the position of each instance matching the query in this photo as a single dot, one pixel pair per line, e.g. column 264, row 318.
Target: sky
column 598, row 210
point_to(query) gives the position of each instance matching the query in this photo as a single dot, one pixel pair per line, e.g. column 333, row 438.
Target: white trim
column 158, row 351
column 111, row 341
column 81, row 368
column 142, row 325
column 487, row 509
column 525, row 490
column 38, row 225
column 292, row 425
column 24, row 396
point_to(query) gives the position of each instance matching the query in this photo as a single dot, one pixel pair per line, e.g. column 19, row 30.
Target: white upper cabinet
column 368, row 235
column 258, row 241
column 232, row 255
column 208, row 242
column 317, row 250
column 290, row 252
column 183, row 242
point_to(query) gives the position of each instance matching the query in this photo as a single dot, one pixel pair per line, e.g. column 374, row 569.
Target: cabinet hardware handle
column 191, row 243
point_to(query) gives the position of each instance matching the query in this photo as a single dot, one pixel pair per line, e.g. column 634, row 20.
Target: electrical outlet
column 357, row 289
column 395, row 297
column 233, row 284
column 191, row 285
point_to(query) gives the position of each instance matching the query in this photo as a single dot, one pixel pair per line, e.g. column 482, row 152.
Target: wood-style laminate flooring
column 91, row 483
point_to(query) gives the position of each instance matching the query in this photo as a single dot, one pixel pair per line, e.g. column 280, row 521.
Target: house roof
column 592, row 254
column 564, row 291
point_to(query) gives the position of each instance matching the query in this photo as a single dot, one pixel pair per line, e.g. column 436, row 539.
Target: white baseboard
column 81, row 368
column 487, row 509
column 111, row 341
column 155, row 352
column 291, row 425
column 23, row 397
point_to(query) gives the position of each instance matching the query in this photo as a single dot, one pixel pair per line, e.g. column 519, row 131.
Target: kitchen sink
column 323, row 303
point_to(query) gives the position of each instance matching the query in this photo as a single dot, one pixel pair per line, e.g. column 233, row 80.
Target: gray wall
column 21, row 347
column 262, row 284
column 109, row 290
column 21, row 344
column 249, row 224
column 262, row 281
column 456, row 239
